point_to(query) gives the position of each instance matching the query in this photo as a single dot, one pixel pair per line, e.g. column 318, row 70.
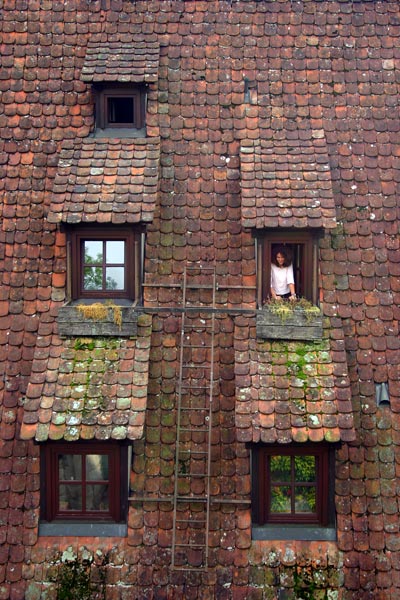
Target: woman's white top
column 281, row 277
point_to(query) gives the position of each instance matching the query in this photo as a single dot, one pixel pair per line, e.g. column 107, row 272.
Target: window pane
column 115, row 252
column 280, row 468
column 70, row 497
column 305, row 499
column 115, row 278
column 305, row 468
column 120, row 110
column 97, row 497
column 69, row 467
column 96, row 467
column 93, row 252
column 280, row 499
column 93, row 278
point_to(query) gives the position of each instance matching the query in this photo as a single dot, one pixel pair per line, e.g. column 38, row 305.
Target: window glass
column 115, row 250
column 120, row 106
column 110, row 256
column 96, row 467
column 93, row 252
column 70, row 470
column 290, row 485
column 97, row 498
column 300, row 495
column 120, row 110
column 115, row 278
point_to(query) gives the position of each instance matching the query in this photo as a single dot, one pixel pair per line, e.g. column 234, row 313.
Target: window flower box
column 283, row 320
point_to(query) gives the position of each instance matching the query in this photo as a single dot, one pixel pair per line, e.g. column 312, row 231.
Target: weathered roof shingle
column 286, row 182
column 122, row 58
column 88, row 388
column 106, row 181
column 290, row 391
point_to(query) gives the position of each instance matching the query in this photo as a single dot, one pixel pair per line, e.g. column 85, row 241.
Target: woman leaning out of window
column 282, row 278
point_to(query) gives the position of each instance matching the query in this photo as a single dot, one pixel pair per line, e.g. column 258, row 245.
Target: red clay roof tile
column 92, row 388
column 122, row 58
column 288, row 391
column 287, row 182
column 106, row 180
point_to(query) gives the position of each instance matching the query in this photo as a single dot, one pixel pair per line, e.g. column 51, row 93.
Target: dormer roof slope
column 106, row 180
column 88, row 388
column 290, row 391
column 121, row 57
column 286, row 181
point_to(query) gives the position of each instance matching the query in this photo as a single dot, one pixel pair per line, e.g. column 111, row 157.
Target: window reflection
column 293, row 484
column 104, row 265
column 74, row 472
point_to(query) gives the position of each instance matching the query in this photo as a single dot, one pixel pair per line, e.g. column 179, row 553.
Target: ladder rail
column 184, row 389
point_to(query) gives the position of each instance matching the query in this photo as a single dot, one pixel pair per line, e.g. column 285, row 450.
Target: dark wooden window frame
column 262, row 487
column 78, row 235
column 138, row 96
column 118, row 481
column 306, row 269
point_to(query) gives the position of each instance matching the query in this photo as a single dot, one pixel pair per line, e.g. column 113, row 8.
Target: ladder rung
column 192, row 326
column 191, row 452
column 191, row 366
column 202, row 475
column 191, row 545
column 194, row 387
column 191, row 498
column 191, row 521
column 195, row 569
column 196, row 346
column 195, row 430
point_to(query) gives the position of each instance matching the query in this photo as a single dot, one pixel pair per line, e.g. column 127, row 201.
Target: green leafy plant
column 305, row 587
column 80, row 577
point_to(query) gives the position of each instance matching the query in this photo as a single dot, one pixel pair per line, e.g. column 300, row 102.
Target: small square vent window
column 121, row 107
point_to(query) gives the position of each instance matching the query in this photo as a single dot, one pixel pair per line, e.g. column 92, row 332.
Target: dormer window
column 105, row 262
column 302, row 247
column 120, row 107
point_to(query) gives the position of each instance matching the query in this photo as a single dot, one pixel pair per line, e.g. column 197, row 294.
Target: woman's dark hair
column 285, row 253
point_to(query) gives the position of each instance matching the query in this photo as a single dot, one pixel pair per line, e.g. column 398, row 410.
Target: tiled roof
column 122, row 58
column 88, row 388
column 290, row 391
column 106, row 181
column 286, row 182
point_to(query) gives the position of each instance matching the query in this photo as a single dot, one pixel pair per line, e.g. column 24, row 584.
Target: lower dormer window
column 105, row 263
column 84, row 481
column 291, row 485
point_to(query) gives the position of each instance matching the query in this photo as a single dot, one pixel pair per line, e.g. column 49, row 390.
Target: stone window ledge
column 293, row 532
column 83, row 529
column 72, row 322
column 298, row 326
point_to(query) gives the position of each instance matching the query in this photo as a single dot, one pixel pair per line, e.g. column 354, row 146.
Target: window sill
column 120, row 132
column 83, row 529
column 293, row 532
column 298, row 326
column 71, row 322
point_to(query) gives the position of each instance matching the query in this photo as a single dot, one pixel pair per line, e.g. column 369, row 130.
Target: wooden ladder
column 195, row 392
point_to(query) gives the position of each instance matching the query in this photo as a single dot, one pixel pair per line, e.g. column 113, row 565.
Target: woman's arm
column 290, row 282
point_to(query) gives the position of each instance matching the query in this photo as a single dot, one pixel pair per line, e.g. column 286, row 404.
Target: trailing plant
column 287, row 308
column 99, row 311
column 305, row 587
column 81, row 577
